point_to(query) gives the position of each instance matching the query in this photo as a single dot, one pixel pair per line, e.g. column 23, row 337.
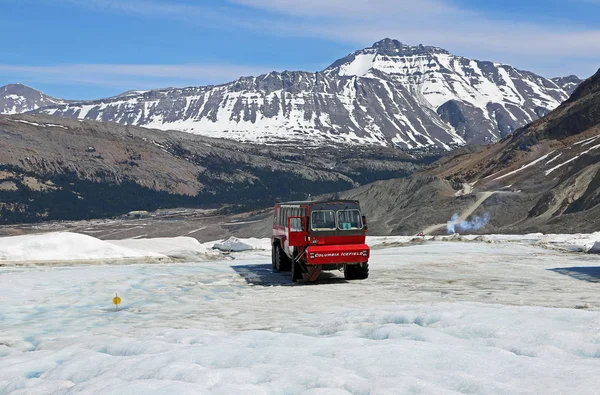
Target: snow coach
column 309, row 237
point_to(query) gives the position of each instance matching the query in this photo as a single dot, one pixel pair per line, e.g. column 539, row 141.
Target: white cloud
column 212, row 16
column 345, row 8
column 549, row 49
column 428, row 21
column 440, row 23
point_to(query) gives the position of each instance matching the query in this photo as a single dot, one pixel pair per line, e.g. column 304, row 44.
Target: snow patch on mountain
column 359, row 67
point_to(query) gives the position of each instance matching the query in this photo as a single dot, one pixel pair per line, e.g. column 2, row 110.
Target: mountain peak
column 17, row 98
column 15, row 88
column 392, row 47
column 388, row 44
column 568, row 83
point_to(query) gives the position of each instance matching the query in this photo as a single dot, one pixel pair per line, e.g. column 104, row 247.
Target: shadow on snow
column 265, row 276
column 589, row 273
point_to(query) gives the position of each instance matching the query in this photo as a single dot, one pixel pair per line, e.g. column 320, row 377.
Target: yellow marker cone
column 116, row 301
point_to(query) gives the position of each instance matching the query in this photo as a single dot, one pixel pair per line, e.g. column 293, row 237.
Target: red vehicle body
column 309, row 237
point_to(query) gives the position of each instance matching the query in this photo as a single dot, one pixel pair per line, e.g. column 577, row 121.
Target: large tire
column 282, row 262
column 356, row 272
column 273, row 252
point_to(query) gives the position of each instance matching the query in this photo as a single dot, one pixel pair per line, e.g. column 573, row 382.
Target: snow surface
column 569, row 242
column 174, row 247
column 237, row 245
column 27, row 122
column 71, row 247
column 434, row 318
column 359, row 66
column 68, row 247
column 583, row 242
column 64, row 246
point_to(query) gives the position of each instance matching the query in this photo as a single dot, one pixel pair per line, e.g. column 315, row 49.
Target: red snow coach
column 309, row 237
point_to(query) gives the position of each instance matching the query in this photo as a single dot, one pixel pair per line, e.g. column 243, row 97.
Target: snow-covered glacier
column 498, row 317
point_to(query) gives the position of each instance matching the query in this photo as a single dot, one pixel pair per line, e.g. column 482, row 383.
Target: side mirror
column 365, row 226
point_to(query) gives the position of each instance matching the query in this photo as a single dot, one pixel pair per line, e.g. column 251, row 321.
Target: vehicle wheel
column 273, row 252
column 356, row 272
column 282, row 262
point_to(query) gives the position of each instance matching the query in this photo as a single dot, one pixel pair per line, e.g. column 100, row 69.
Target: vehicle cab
column 309, row 237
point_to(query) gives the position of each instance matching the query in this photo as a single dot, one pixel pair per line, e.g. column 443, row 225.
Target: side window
column 296, row 225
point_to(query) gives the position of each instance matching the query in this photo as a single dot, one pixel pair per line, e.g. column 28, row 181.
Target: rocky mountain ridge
column 390, row 94
column 58, row 168
column 568, row 83
column 19, row 98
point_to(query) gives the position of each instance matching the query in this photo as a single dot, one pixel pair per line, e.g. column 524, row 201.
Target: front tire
column 356, row 272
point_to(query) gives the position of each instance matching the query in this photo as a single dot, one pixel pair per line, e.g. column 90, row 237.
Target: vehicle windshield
column 349, row 219
column 323, row 220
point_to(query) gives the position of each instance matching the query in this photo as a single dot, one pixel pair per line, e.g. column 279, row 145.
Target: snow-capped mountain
column 480, row 101
column 390, row 94
column 18, row 98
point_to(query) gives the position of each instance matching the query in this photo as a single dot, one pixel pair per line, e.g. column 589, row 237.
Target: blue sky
column 83, row 49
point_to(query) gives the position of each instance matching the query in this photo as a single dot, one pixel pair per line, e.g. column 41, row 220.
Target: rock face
column 57, row 168
column 568, row 83
column 18, row 98
column 390, row 94
column 544, row 177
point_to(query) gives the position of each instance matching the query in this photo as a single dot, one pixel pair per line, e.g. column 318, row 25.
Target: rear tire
column 273, row 252
column 282, row 262
column 356, row 272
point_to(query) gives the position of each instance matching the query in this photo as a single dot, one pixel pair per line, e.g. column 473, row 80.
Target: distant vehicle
column 309, row 237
